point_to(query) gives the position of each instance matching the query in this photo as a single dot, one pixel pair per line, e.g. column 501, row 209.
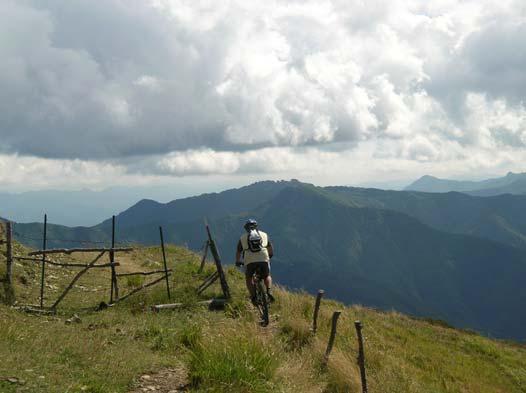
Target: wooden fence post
column 114, row 284
column 316, row 310
column 361, row 355
column 9, row 253
column 43, row 268
column 330, row 344
column 9, row 288
column 164, row 261
column 203, row 260
column 219, row 267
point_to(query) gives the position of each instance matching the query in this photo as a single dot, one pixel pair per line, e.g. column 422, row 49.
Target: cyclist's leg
column 268, row 282
column 265, row 268
column 249, row 272
column 265, row 273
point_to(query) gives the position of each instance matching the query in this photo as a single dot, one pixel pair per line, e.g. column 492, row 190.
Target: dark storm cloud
column 176, row 82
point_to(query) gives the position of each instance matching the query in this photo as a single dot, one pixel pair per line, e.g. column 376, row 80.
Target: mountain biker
column 255, row 248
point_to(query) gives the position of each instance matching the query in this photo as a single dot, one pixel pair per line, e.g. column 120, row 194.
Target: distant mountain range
column 451, row 256
column 86, row 207
column 512, row 183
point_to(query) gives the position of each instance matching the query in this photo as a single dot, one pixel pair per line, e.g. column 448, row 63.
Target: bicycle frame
column 262, row 303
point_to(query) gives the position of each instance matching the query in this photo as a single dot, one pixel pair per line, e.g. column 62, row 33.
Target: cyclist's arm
column 239, row 251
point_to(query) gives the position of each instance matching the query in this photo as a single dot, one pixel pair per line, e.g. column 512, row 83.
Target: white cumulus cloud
column 180, row 87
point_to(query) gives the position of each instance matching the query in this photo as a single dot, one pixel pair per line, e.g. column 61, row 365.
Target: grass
column 233, row 362
column 226, row 351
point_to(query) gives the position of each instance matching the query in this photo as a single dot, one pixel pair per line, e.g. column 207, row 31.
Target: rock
column 74, row 319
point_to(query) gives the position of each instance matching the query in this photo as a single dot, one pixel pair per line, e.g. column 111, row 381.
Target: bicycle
column 261, row 302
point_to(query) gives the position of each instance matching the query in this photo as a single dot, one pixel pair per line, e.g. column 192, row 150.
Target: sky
column 96, row 94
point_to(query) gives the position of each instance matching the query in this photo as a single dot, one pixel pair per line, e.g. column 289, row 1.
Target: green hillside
column 128, row 348
column 500, row 218
column 365, row 244
column 389, row 260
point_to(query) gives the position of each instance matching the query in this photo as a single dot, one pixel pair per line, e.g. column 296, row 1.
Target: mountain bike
column 262, row 301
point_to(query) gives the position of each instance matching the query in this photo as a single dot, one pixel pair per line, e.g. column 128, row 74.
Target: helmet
column 250, row 224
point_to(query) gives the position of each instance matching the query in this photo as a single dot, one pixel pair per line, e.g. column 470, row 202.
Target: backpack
column 254, row 240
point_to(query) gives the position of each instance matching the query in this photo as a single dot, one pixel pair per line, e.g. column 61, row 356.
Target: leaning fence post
column 164, row 261
column 219, row 267
column 9, row 289
column 361, row 355
column 43, row 269
column 205, row 253
column 330, row 344
column 9, row 253
column 316, row 310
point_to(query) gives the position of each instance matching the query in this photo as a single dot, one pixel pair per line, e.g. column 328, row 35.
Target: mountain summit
column 512, row 183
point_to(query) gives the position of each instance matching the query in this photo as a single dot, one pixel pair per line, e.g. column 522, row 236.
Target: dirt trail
column 169, row 380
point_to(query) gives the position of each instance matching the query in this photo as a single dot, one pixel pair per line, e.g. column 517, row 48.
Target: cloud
column 267, row 161
column 174, row 87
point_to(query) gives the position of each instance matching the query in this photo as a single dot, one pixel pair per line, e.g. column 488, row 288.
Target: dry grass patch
column 343, row 375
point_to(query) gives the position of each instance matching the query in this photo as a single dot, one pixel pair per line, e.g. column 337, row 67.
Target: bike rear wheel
column 262, row 302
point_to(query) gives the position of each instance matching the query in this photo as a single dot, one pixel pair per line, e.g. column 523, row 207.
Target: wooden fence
column 40, row 256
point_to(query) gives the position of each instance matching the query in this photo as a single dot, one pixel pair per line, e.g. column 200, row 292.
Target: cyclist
column 255, row 248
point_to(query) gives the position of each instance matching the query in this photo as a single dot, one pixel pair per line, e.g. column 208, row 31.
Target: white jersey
column 259, row 256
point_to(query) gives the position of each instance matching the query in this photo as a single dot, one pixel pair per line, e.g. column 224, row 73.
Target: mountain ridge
column 324, row 237
column 513, row 183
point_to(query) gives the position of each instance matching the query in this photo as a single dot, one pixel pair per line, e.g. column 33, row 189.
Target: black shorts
column 263, row 269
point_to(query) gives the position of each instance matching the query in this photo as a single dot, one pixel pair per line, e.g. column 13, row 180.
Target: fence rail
column 40, row 256
column 79, row 250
